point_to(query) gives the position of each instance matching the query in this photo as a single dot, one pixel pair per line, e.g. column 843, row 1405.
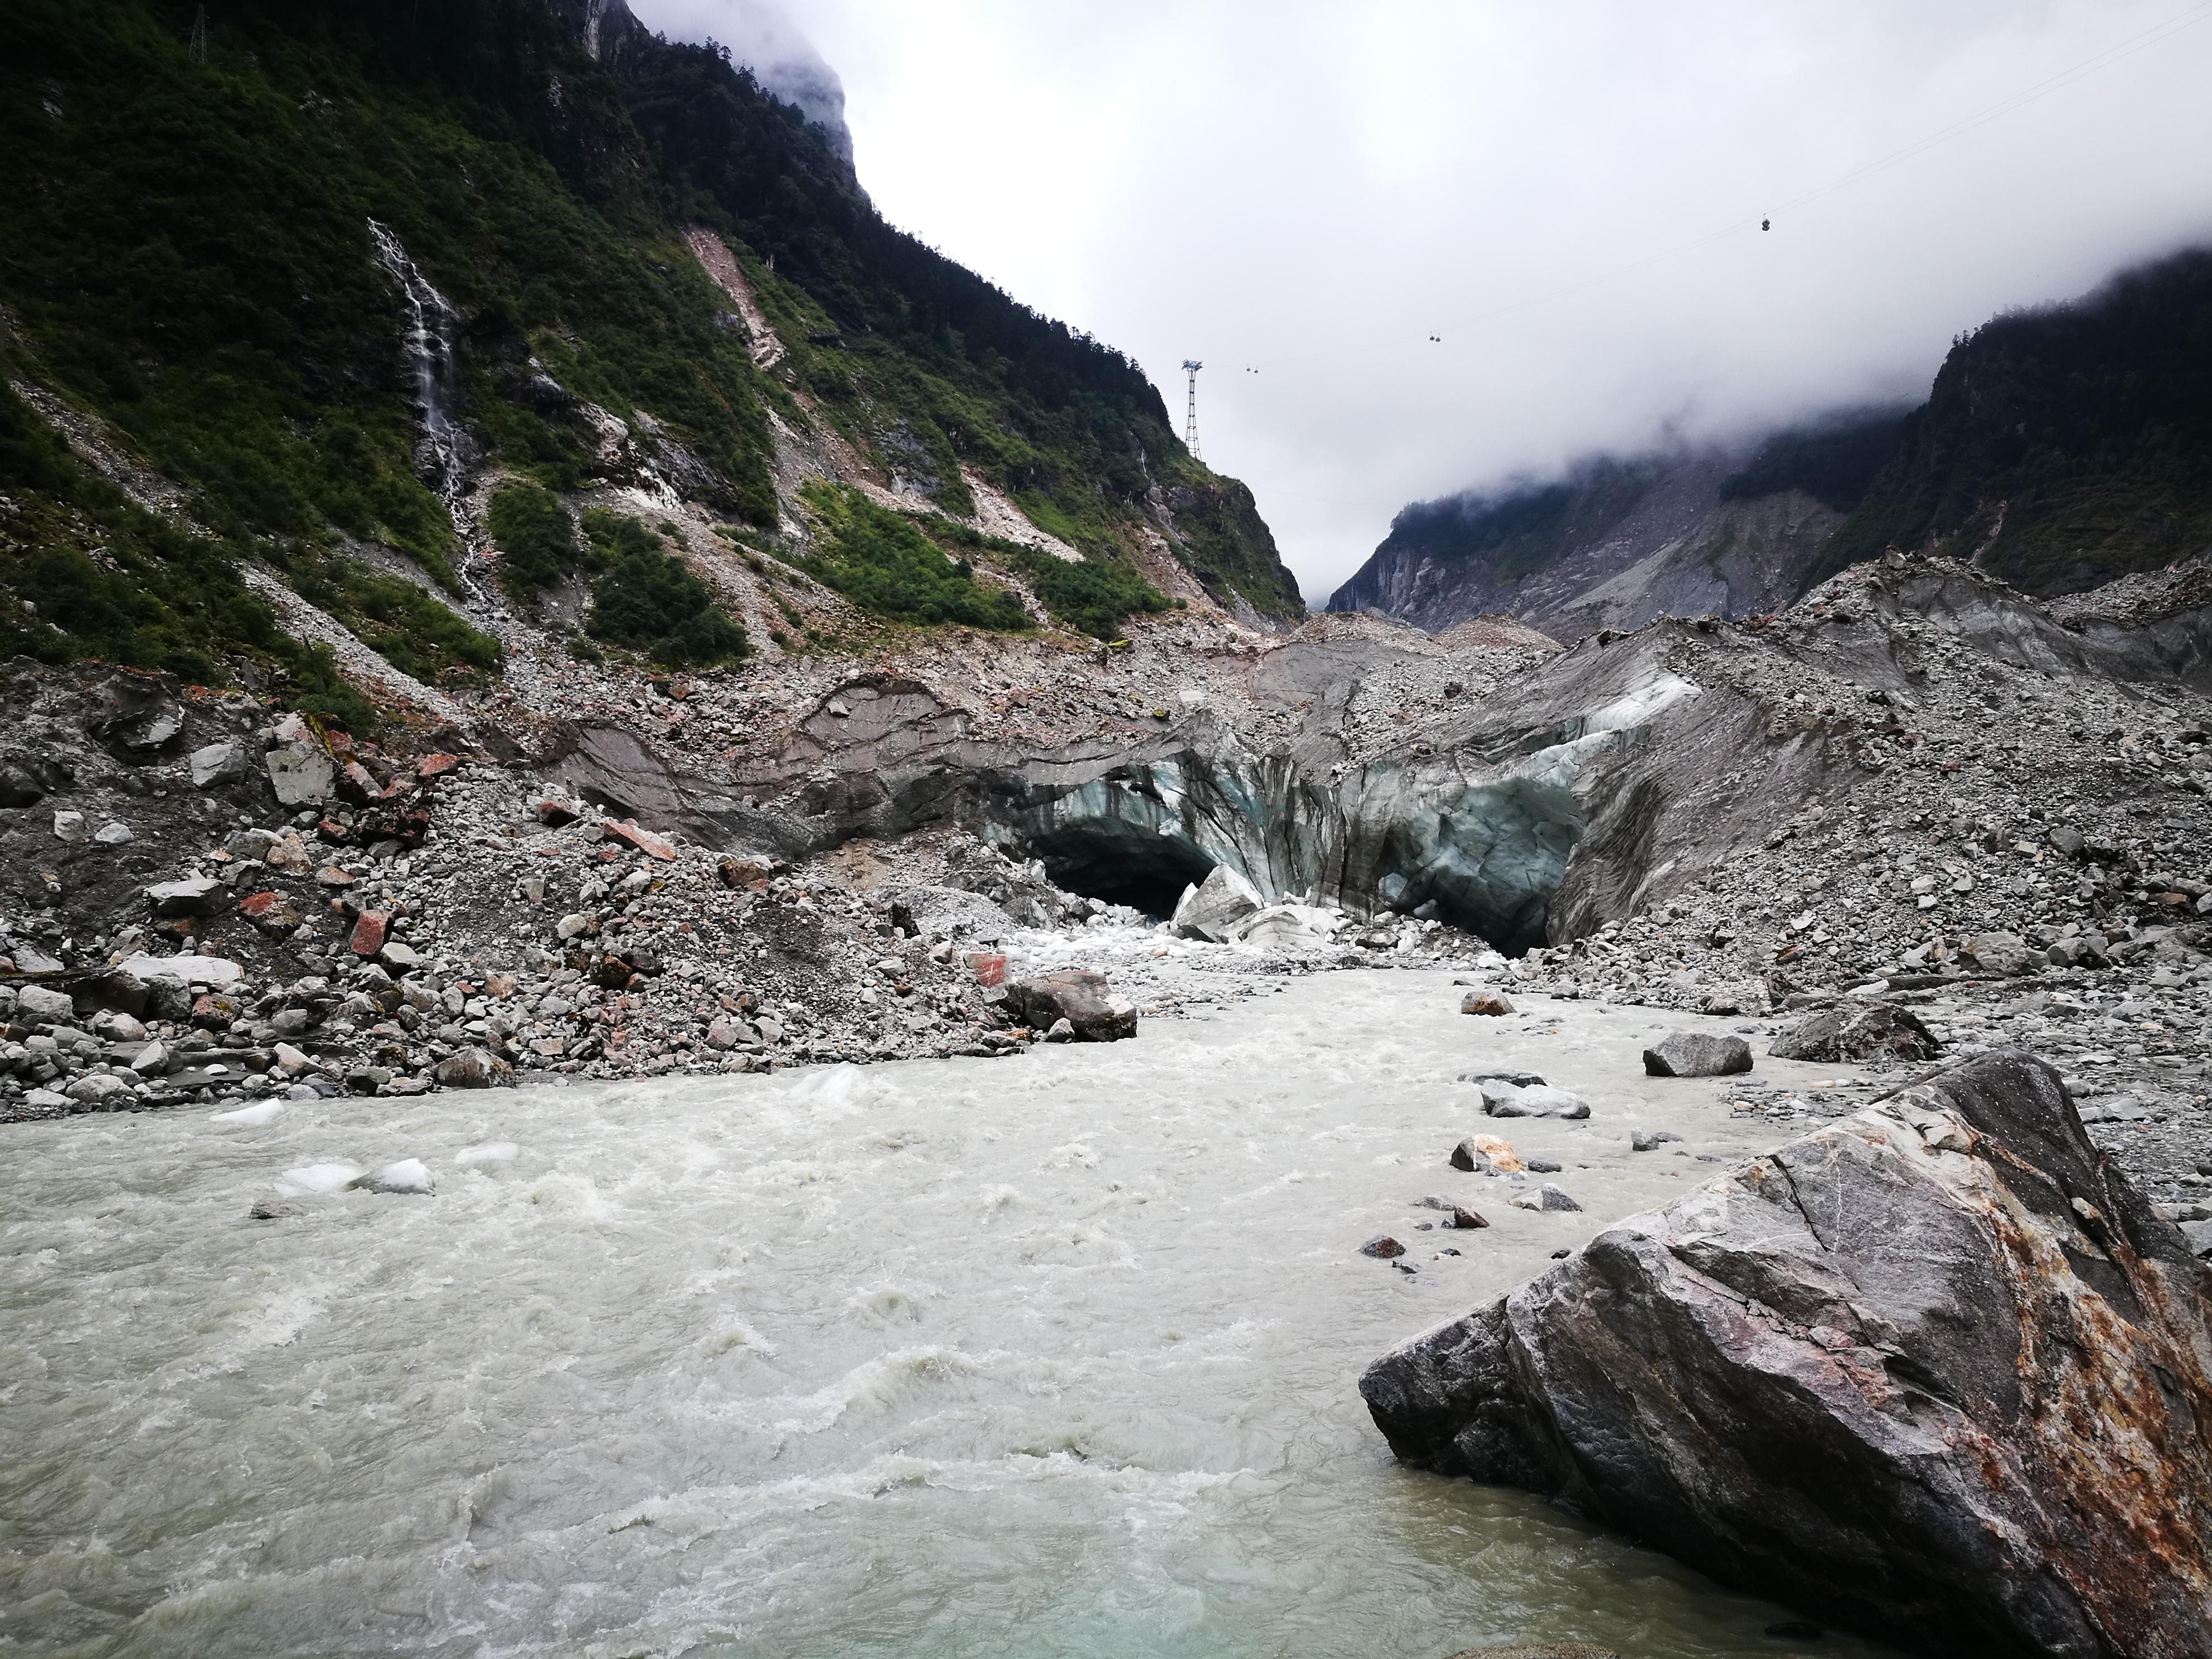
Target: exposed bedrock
column 1481, row 820
column 1936, row 1372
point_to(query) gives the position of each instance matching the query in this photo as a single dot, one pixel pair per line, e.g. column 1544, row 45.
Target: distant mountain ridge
column 2059, row 448
column 1729, row 529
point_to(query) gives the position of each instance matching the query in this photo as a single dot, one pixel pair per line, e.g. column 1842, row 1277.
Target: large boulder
column 1077, row 996
column 1697, row 1053
column 1502, row 1099
column 1286, row 927
column 1936, row 1371
column 1857, row 1031
column 301, row 772
column 1214, row 907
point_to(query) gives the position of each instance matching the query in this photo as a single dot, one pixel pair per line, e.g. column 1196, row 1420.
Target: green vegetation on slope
column 2068, row 445
column 105, row 580
column 921, row 360
column 1095, row 596
column 537, row 543
column 882, row 561
column 188, row 256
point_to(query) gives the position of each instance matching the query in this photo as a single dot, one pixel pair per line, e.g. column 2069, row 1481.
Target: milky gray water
column 1054, row 1355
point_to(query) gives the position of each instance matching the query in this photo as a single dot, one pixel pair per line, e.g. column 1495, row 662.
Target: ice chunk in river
column 253, row 1116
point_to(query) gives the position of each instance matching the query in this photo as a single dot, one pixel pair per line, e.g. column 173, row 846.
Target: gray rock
column 1213, row 907
column 2000, row 953
column 18, row 788
column 1548, row 1197
column 151, row 1060
column 71, row 826
column 1518, row 1079
column 952, row 912
column 1077, row 995
column 121, row 1027
column 219, row 764
column 1533, row 1100
column 253, row 844
column 1856, row 1375
column 1697, row 1053
column 41, row 1004
column 113, row 833
column 97, row 1089
column 1645, row 1140
column 1540, row 1650
column 1855, row 1030
column 2199, row 1235
column 475, row 1068
column 194, row 896
column 302, row 773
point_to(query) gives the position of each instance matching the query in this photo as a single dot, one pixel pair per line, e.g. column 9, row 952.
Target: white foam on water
column 317, row 1178
column 491, row 1151
column 253, row 1116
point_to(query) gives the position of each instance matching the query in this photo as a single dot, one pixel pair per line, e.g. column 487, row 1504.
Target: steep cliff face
column 2062, row 446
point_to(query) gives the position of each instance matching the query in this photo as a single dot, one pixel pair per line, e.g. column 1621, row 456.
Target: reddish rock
column 436, row 766
column 358, row 783
column 990, row 969
column 331, row 830
column 272, row 913
column 555, row 814
column 368, row 932
column 330, row 876
column 214, row 1012
column 644, row 839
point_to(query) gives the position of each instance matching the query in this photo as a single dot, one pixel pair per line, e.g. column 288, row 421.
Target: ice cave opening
column 1119, row 862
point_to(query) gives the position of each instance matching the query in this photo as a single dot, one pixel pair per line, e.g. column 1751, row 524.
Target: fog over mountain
column 1569, row 196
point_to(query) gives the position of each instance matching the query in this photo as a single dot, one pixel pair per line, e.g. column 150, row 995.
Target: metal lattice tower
column 1190, row 420
column 199, row 36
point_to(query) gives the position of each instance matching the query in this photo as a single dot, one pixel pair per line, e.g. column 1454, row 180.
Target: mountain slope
column 2058, row 449
column 2065, row 445
column 190, row 269
column 1620, row 541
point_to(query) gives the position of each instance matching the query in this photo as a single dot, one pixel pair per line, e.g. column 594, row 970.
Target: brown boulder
column 1077, row 996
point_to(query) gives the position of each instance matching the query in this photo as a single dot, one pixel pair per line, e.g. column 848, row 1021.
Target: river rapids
column 1046, row 1356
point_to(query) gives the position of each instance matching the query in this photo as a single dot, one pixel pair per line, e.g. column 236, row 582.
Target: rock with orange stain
column 1936, row 1372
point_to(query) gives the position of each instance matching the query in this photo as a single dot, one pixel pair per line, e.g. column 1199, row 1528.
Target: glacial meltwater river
column 1053, row 1355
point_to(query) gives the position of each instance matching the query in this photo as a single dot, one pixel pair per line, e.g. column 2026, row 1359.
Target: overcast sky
column 1310, row 189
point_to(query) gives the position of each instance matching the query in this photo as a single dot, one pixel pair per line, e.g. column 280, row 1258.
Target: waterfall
column 442, row 452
